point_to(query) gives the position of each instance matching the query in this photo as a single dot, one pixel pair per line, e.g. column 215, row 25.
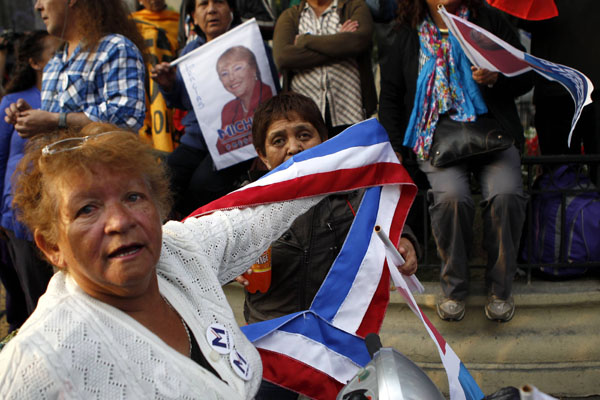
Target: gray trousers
column 452, row 211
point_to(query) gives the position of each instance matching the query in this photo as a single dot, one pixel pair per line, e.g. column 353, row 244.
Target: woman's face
column 213, row 17
column 286, row 137
column 109, row 233
column 237, row 75
column 52, row 13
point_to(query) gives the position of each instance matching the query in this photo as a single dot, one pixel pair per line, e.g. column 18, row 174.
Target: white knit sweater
column 76, row 347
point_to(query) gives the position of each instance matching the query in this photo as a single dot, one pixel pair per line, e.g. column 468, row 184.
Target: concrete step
column 552, row 342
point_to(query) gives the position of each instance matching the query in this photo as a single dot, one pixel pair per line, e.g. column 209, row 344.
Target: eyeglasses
column 73, row 143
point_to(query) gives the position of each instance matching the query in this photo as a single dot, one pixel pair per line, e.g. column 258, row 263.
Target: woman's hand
column 29, row 122
column 32, row 122
column 13, row 111
column 407, row 251
column 164, row 75
column 483, row 76
column 242, row 279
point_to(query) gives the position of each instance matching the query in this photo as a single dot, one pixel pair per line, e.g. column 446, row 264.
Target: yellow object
column 159, row 30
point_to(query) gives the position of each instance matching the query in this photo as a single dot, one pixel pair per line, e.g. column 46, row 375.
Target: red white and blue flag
column 316, row 351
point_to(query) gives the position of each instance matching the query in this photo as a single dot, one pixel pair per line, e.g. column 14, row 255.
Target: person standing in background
column 98, row 75
column 26, row 280
column 323, row 50
column 158, row 26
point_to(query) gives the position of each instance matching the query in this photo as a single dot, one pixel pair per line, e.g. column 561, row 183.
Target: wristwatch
column 62, row 120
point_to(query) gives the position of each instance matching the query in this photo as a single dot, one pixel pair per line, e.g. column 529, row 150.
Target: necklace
column 187, row 332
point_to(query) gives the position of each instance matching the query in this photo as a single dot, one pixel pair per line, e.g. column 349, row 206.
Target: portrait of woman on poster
column 239, row 73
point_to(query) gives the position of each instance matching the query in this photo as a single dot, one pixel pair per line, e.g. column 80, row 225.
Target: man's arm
column 344, row 44
column 286, row 53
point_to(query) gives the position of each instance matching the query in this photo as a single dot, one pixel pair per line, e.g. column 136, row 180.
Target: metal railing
column 588, row 166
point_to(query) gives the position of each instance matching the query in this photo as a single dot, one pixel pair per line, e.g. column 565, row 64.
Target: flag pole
column 395, row 255
column 396, row 258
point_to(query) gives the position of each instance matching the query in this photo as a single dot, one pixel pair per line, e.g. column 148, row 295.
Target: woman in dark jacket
column 428, row 78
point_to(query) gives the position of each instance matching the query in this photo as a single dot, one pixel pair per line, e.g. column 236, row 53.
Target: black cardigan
column 399, row 79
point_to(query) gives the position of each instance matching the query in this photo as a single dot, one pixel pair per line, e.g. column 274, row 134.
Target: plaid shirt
column 107, row 85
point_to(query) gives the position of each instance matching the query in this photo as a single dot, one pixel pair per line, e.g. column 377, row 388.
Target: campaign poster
column 226, row 79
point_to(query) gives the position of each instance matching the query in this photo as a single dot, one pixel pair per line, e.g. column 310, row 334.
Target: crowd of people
column 90, row 102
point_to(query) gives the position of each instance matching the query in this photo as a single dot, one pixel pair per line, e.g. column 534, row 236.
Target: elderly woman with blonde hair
column 136, row 309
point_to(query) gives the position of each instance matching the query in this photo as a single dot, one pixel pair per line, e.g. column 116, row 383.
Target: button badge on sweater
column 219, row 338
column 240, row 365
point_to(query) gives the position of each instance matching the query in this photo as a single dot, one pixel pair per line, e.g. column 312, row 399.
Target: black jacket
column 400, row 71
column 301, row 257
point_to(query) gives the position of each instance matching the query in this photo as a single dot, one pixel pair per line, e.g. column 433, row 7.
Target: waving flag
column 486, row 50
column 316, row 351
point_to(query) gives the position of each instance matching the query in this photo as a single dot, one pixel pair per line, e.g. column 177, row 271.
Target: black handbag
column 455, row 141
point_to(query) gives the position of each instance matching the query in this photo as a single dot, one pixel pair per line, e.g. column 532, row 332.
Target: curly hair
column 36, row 199
column 413, row 12
column 23, row 76
column 98, row 18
